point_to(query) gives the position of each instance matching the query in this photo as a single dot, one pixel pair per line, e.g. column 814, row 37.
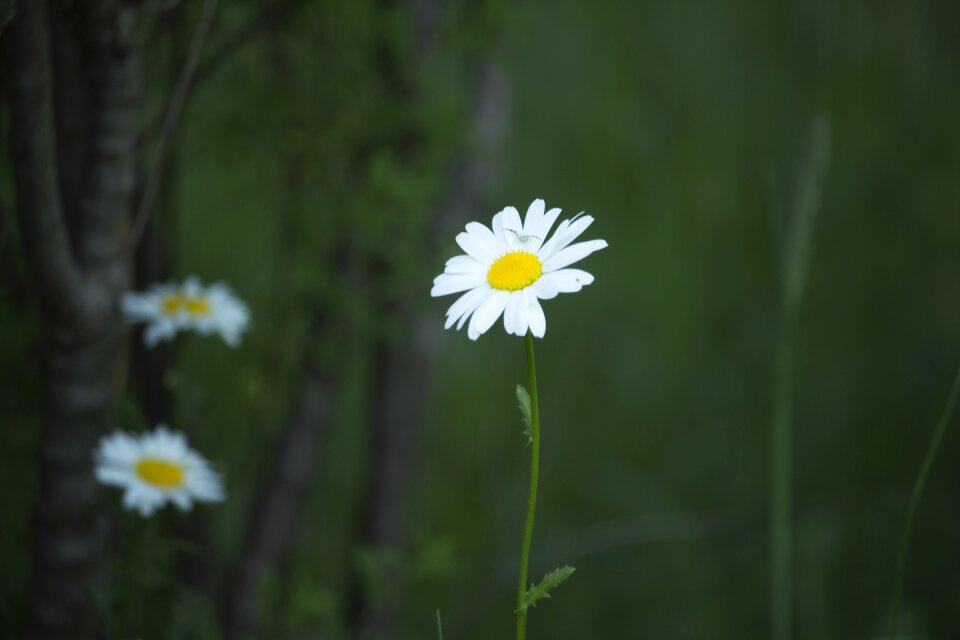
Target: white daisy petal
column 538, row 322
column 545, row 288
column 146, row 506
column 484, row 317
column 567, row 232
column 133, row 496
column 162, row 435
column 534, row 214
column 207, row 489
column 181, row 500
column 538, row 234
column 566, row 280
column 117, row 448
column 161, row 330
column 521, row 322
column 464, row 264
column 474, row 247
column 465, row 305
column 466, row 316
column 497, row 226
column 446, row 283
column 191, row 285
column 512, row 314
column 113, row 476
column 487, row 238
column 137, row 307
column 572, row 254
column 512, row 225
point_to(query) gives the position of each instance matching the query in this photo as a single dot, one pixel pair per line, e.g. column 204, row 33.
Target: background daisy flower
column 169, row 308
column 509, row 269
column 154, row 469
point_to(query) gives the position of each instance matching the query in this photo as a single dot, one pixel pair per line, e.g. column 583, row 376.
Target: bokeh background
column 322, row 168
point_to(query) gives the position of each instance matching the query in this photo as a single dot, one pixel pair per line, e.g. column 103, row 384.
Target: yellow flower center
column 176, row 302
column 160, row 473
column 514, row 271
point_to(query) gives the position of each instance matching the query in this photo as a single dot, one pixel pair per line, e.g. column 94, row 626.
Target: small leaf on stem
column 526, row 412
column 550, row 581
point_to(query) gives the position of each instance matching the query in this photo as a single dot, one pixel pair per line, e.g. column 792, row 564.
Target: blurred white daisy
column 171, row 307
column 509, row 269
column 154, row 469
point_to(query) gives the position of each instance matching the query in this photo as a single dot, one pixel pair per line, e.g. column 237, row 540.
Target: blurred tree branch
column 33, row 144
column 170, row 119
column 269, row 16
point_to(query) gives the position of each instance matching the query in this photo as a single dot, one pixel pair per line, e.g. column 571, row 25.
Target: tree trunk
column 400, row 390
column 278, row 508
column 402, row 367
column 81, row 264
column 77, row 393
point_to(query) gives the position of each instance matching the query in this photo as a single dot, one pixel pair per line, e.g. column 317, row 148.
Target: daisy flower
column 171, row 307
column 154, row 469
column 509, row 269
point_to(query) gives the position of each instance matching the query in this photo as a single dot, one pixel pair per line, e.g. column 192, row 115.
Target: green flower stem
column 915, row 499
column 128, row 601
column 781, row 508
column 532, row 496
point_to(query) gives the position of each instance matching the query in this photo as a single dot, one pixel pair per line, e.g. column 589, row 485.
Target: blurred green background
column 320, row 172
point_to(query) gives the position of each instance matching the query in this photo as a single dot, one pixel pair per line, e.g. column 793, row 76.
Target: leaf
column 526, row 412
column 551, row 581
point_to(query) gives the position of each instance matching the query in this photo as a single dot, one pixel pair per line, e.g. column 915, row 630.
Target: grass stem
column 781, row 512
column 918, row 486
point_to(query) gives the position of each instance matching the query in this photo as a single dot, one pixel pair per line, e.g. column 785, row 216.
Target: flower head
column 156, row 468
column 509, row 269
column 171, row 307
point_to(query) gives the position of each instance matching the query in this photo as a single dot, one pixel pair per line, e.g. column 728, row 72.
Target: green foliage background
column 680, row 127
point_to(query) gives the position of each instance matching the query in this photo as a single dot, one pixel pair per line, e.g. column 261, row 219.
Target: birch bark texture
column 76, row 243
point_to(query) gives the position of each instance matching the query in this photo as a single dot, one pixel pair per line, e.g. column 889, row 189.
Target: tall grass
column 915, row 495
column 798, row 247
